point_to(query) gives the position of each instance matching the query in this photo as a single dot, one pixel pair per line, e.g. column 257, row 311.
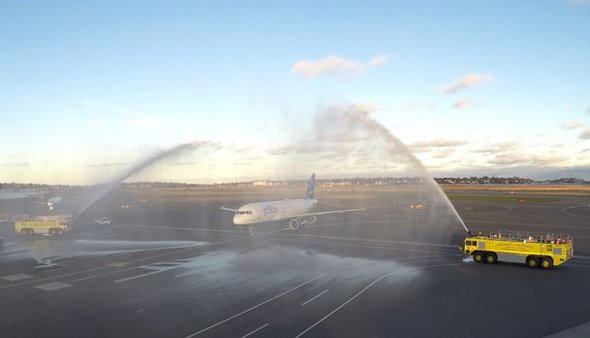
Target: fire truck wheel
column 478, row 257
column 491, row 258
column 532, row 261
column 546, row 263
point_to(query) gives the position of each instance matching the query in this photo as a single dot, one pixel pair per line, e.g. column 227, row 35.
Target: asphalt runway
column 181, row 269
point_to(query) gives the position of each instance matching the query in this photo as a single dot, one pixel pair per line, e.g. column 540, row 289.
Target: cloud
column 308, row 147
column 14, row 164
column 378, row 60
column 467, row 81
column 518, row 158
column 461, row 103
column 444, row 153
column 509, row 159
column 186, row 163
column 496, row 148
column 588, row 110
column 335, row 65
column 438, row 143
column 585, row 135
column 105, row 165
column 570, row 125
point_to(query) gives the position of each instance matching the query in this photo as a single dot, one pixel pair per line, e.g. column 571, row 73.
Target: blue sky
column 90, row 87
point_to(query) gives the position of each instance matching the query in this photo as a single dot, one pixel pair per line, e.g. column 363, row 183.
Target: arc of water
column 142, row 165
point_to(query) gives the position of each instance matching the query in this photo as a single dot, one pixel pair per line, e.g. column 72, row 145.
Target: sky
column 88, row 89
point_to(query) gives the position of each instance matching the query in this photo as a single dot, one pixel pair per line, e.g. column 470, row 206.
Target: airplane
column 39, row 197
column 48, row 203
column 294, row 210
column 53, row 202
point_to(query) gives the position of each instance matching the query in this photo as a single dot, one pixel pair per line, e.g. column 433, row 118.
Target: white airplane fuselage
column 51, row 203
column 253, row 213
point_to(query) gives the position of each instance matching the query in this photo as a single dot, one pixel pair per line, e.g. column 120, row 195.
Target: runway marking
column 129, row 232
column 362, row 291
column 117, row 264
column 315, row 297
column 253, row 332
column 379, row 246
column 260, row 304
column 117, row 271
column 17, row 277
column 179, row 228
column 505, row 210
column 563, row 210
column 156, row 268
column 358, row 273
column 369, row 240
column 53, row 286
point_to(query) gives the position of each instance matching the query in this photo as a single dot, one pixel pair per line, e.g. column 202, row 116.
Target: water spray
column 140, row 166
column 355, row 116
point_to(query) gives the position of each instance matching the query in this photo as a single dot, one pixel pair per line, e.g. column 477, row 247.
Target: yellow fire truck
column 45, row 225
column 543, row 250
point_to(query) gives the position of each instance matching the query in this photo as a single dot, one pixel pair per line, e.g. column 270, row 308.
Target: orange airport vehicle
column 543, row 250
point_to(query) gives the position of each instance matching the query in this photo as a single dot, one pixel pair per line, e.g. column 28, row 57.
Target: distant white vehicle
column 294, row 210
column 103, row 221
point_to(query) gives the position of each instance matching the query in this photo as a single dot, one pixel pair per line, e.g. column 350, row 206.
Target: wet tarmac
column 183, row 270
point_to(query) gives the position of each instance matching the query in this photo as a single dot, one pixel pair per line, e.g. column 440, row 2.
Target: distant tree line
column 485, row 180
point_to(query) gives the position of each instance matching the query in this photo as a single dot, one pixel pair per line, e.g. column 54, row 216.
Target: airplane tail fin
column 310, row 187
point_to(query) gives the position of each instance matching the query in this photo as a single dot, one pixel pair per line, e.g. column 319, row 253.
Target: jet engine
column 294, row 224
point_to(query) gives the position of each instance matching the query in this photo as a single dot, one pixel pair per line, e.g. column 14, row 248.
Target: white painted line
column 363, row 290
column 143, row 258
column 53, row 286
column 137, row 276
column 253, row 332
column 468, row 259
column 342, row 305
column 185, row 274
column 316, row 297
column 260, row 304
column 82, row 279
column 17, row 277
column 133, row 261
column 358, row 273
column 154, row 268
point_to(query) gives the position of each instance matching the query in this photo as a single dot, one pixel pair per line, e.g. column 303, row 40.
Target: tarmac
column 183, row 270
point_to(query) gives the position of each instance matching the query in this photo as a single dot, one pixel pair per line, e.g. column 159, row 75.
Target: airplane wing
column 229, row 209
column 330, row 212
